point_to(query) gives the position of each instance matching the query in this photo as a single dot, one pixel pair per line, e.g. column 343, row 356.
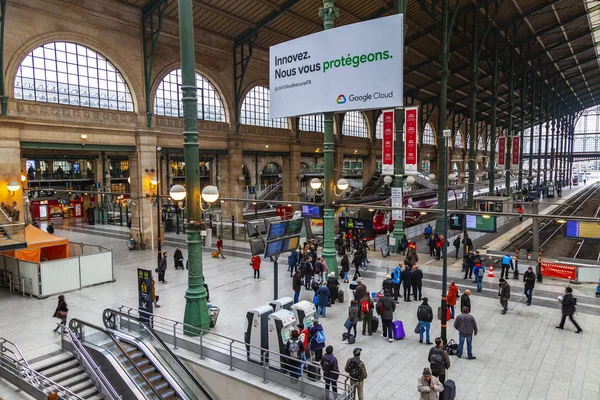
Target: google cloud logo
column 341, row 99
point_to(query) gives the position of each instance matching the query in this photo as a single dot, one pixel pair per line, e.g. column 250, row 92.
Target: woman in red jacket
column 255, row 263
column 452, row 296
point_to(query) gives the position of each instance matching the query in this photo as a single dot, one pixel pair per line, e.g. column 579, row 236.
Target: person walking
column 357, row 261
column 429, row 386
column 469, row 262
column 412, row 258
column 353, row 317
column 425, row 317
column 366, row 313
column 456, row 245
column 417, row 282
column 155, row 298
column 61, row 313
column 427, row 231
column 255, row 263
column 220, row 248
column 396, row 281
column 331, row 371
column 465, row 300
column 317, row 340
column 439, row 362
column 452, row 297
column 388, row 306
column 323, row 294
column 358, row 373
column 293, row 350
column 307, row 271
column 479, row 273
column 568, row 309
column 504, row 294
column 162, row 268
column 293, row 262
column 466, row 326
column 407, row 282
column 345, row 267
column 296, row 285
column 431, row 243
column 529, row 284
column 507, row 265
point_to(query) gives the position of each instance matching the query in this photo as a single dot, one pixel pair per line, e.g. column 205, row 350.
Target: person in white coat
column 428, row 385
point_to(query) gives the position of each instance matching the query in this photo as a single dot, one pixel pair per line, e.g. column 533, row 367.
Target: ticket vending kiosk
column 281, row 324
column 305, row 313
column 256, row 332
column 283, row 303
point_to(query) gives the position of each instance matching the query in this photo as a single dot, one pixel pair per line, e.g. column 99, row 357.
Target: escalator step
column 167, row 393
column 154, row 377
column 148, row 369
column 128, row 348
column 142, row 362
column 160, row 385
column 136, row 354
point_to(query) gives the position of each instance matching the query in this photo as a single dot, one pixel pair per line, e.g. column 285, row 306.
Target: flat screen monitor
column 255, row 227
column 294, row 226
column 291, row 243
column 276, row 230
column 480, row 224
column 273, row 248
column 257, row 246
column 310, row 211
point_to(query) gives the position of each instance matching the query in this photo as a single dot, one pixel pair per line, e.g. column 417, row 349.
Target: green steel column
column 492, row 155
column 532, row 121
column 561, row 147
column 547, row 137
column 540, row 126
column 523, row 107
column 509, row 132
column 329, row 13
column 473, row 105
column 196, row 312
column 3, row 96
column 399, row 142
column 571, row 137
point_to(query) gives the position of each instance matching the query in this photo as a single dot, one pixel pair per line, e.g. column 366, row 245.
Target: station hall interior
column 129, row 128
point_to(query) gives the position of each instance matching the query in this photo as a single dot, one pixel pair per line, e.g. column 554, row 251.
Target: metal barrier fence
column 235, row 354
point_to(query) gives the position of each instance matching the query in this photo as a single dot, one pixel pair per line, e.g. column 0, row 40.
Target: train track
column 551, row 231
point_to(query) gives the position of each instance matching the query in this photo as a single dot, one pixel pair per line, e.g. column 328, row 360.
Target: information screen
column 309, row 211
column 276, row 230
column 480, row 224
column 582, row 230
column 257, row 246
column 291, row 243
column 294, row 226
column 273, row 248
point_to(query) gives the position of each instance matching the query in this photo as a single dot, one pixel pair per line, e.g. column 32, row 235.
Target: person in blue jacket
column 479, row 272
column 506, row 265
column 323, row 293
column 293, row 262
column 396, row 281
column 316, row 340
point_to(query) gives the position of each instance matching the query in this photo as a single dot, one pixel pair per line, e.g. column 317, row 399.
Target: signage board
column 276, row 230
column 582, row 230
column 310, row 211
column 516, row 148
column 411, row 140
column 290, row 243
column 501, row 151
column 341, row 69
column 285, row 212
column 479, row 224
column 251, row 190
column 457, row 222
column 397, row 202
column 273, row 248
column 145, row 294
column 347, row 223
column 294, row 226
column 387, row 161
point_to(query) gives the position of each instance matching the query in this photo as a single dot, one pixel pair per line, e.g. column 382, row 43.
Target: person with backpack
column 479, row 273
column 466, row 326
column 317, row 340
column 358, row 373
column 353, row 317
column 293, row 350
column 388, row 307
column 439, row 362
column 456, row 245
column 396, row 282
column 296, row 286
column 331, row 370
column 407, row 282
column 429, row 386
column 317, row 280
column 507, row 265
column 452, row 297
column 324, row 294
column 568, row 309
column 529, row 283
column 255, row 263
column 425, row 316
column 417, row 282
column 366, row 313
column 345, row 267
column 504, row 293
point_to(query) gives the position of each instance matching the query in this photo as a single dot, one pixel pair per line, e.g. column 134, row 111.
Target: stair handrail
column 88, row 364
column 5, row 215
column 18, row 356
column 74, row 322
column 266, row 193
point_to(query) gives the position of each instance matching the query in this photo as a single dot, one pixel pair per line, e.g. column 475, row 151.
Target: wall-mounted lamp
column 315, row 184
column 13, row 186
column 153, row 182
column 280, row 175
column 300, row 177
column 210, row 194
column 431, row 177
column 387, row 180
column 129, row 180
column 241, row 179
column 23, row 177
column 178, row 194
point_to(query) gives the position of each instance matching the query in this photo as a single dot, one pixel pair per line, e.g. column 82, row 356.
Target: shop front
column 49, row 208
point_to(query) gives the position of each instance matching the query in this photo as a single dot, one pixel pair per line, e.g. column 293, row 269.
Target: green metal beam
column 76, row 146
column 473, row 117
column 3, row 96
column 263, row 22
column 494, row 122
column 152, row 19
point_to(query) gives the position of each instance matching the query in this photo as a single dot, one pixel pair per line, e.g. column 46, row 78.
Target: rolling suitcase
column 214, row 254
column 351, row 339
column 341, row 296
column 398, row 330
column 374, row 324
column 449, row 390
column 313, row 371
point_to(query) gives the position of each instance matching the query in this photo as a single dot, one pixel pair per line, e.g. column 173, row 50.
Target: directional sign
column 457, row 222
column 347, row 224
column 145, row 295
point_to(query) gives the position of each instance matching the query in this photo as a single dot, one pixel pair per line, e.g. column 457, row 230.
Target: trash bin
column 213, row 312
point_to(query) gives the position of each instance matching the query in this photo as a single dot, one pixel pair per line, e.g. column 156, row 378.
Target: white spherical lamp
column 210, row 194
column 410, row 180
column 315, row 183
column 342, row 184
column 177, row 192
column 431, row 177
column 388, row 180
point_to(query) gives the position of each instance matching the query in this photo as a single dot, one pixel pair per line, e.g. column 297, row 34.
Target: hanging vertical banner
column 502, row 151
column 387, row 166
column 411, row 140
column 516, row 148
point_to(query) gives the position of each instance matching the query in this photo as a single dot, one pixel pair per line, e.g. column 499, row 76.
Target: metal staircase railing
column 271, row 192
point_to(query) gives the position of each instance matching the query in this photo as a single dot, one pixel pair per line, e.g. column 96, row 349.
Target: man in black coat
column 470, row 263
column 407, row 282
column 465, row 300
column 504, row 294
column 456, row 245
column 568, row 309
column 468, row 243
column 529, row 283
column 417, row 282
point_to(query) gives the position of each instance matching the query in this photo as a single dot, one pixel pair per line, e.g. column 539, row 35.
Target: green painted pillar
column 492, row 153
column 531, row 125
column 473, row 109
column 196, row 311
column 509, row 132
column 3, row 96
column 523, row 106
column 547, row 139
column 399, row 115
column 540, row 127
column 329, row 13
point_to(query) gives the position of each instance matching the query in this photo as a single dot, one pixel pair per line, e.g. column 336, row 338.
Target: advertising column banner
column 411, row 140
column 502, row 151
column 516, row 148
column 397, row 202
column 352, row 67
column 387, row 166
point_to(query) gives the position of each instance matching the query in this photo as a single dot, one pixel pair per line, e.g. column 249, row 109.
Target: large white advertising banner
column 353, row 67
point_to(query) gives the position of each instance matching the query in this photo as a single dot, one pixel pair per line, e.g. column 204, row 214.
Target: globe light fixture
column 342, row 184
column 210, row 194
column 315, row 183
column 177, row 193
column 410, row 180
column 388, row 180
column 13, row 186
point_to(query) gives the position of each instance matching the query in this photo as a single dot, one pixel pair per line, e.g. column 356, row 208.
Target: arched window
column 458, row 140
column 354, row 124
column 578, row 146
column 256, row 109
column 379, row 127
column 167, row 100
column 72, row 74
column 428, row 135
column 311, row 123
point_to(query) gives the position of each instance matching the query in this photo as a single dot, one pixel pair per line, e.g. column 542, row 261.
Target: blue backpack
column 320, row 338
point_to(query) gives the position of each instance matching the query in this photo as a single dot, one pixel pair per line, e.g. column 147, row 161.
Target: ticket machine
column 281, row 324
column 256, row 332
column 283, row 303
column 305, row 313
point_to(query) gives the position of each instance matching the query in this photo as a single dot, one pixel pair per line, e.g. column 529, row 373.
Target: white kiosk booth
column 305, row 312
column 281, row 324
column 282, row 303
column 256, row 332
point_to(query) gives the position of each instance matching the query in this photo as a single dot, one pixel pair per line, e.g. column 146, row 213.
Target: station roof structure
column 555, row 39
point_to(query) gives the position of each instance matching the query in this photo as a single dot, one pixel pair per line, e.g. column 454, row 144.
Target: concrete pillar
column 10, row 169
column 369, row 164
column 291, row 170
column 230, row 168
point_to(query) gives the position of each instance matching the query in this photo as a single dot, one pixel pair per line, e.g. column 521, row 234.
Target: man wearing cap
column 529, row 283
column 358, row 373
column 504, row 294
column 429, row 386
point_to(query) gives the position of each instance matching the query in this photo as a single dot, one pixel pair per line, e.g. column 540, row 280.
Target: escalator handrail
column 163, row 345
column 75, row 320
column 91, row 367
